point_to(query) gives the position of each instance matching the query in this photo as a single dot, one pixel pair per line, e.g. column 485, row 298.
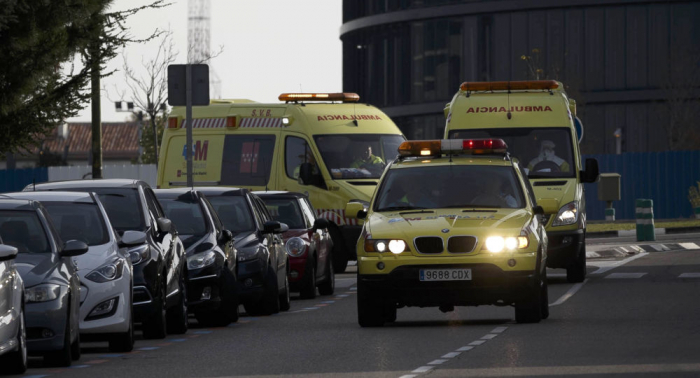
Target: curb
column 657, row 231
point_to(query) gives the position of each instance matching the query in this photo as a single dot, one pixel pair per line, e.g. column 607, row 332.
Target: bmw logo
column 445, row 230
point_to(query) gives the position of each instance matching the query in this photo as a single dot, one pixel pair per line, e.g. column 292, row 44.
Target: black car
column 262, row 260
column 212, row 294
column 157, row 254
column 51, row 282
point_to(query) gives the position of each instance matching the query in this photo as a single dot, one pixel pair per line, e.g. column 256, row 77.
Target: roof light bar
column 344, row 97
column 509, row 85
column 422, row 148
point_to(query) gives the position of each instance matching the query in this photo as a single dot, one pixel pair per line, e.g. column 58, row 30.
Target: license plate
column 445, row 274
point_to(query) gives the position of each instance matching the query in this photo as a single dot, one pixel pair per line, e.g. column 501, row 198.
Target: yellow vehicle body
column 390, row 280
column 530, row 121
column 253, row 145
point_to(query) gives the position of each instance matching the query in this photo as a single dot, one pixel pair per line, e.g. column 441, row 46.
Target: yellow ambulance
column 538, row 122
column 325, row 145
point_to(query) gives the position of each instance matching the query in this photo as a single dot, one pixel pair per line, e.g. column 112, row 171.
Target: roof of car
column 97, row 183
column 220, row 191
column 484, row 160
column 7, row 203
column 279, row 194
column 54, row 196
column 176, row 193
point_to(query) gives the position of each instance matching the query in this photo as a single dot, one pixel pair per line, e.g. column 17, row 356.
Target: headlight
column 395, row 246
column 106, row 273
column 497, row 244
column 245, row 254
column 201, row 260
column 42, row 293
column 296, row 247
column 139, row 254
column 568, row 214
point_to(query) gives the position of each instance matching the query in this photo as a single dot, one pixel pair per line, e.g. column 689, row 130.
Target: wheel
column 545, row 296
column 75, row 348
column 16, row 362
column 528, row 308
column 285, row 300
column 123, row 342
column 227, row 312
column 340, row 255
column 155, row 326
column 370, row 312
column 577, row 271
column 390, row 312
column 270, row 303
column 63, row 357
column 327, row 287
column 177, row 322
column 308, row 284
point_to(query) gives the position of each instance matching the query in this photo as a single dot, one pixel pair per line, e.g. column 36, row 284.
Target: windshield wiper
column 394, row 208
column 416, row 212
column 488, row 209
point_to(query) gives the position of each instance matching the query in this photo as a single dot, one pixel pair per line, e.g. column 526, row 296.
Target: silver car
column 13, row 334
column 105, row 271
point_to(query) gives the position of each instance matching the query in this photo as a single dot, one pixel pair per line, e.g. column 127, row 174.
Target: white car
column 13, row 334
column 105, row 271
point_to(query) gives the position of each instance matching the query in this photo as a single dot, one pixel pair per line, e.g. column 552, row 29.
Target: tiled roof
column 119, row 141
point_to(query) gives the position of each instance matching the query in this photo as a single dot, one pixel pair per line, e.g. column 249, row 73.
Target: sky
column 269, row 47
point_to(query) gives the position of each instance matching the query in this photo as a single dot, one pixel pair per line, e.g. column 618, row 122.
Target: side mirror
column 164, row 224
column 538, row 210
column 321, row 223
column 132, row 238
column 273, row 227
column 226, row 236
column 548, row 205
column 73, row 248
column 7, row 252
column 355, row 210
column 283, row 228
column 591, row 172
column 306, row 173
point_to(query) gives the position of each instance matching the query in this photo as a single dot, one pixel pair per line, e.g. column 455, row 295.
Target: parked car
column 308, row 243
column 106, row 273
column 156, row 252
column 262, row 260
column 212, row 289
column 13, row 332
column 52, row 286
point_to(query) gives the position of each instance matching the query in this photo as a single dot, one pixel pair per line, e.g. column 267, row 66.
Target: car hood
column 300, row 233
column 245, row 239
column 360, row 192
column 36, row 268
column 96, row 256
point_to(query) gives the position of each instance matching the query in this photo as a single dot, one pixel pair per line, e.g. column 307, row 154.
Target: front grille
column 429, row 244
column 461, row 244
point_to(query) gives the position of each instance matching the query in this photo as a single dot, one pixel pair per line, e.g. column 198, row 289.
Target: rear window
column 187, row 216
column 24, row 231
column 123, row 207
column 247, row 159
column 78, row 221
column 233, row 211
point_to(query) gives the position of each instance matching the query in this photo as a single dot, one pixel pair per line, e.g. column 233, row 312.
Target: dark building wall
column 632, row 65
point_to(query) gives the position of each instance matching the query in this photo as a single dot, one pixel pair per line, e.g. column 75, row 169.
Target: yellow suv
column 452, row 223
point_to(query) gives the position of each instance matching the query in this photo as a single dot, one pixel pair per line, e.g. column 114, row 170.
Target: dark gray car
column 52, row 286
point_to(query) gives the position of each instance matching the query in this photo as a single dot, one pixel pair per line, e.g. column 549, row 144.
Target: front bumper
column 118, row 320
column 564, row 247
column 489, row 285
column 297, row 267
column 251, row 280
column 196, row 284
column 43, row 316
column 146, row 289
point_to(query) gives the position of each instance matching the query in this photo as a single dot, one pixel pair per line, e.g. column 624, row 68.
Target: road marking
column 689, row 275
column 569, row 293
column 423, row 369
column 560, row 371
column 499, row 329
column 689, row 245
column 342, row 296
column 477, row 342
column 437, row 362
column 311, row 308
column 451, row 355
column 604, row 266
column 78, row 366
column 489, row 336
column 148, row 348
column 328, row 302
column 409, row 376
column 625, row 275
column 465, row 348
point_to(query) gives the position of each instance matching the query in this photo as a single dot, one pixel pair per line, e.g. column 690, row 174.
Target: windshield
column 357, row 155
column 122, row 206
column 23, row 230
column 186, row 215
column 543, row 152
column 286, row 211
column 233, row 212
column 78, row 221
column 455, row 186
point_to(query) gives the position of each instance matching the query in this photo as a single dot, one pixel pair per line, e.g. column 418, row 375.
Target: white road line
column 451, row 355
column 423, row 369
column 409, row 376
column 659, row 247
column 689, row 275
column 605, row 266
column 489, row 336
column 625, row 275
column 437, row 362
column 477, row 342
column 569, row 293
column 689, row 245
column 499, row 329
column 465, row 348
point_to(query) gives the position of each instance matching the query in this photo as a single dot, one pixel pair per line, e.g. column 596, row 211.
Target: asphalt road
column 637, row 316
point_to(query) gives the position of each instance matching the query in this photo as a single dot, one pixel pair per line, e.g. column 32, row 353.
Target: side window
column 528, row 186
column 256, row 211
column 263, row 210
column 217, row 222
column 247, row 159
column 153, row 204
column 297, row 152
column 308, row 213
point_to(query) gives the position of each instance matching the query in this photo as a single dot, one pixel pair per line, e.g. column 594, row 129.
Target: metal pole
column 188, row 90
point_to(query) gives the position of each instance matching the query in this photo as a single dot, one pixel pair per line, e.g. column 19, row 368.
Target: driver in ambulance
column 547, row 160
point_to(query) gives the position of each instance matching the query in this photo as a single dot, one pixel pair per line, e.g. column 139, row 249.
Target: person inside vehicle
column 365, row 159
column 547, row 160
column 307, row 157
column 408, row 193
column 491, row 193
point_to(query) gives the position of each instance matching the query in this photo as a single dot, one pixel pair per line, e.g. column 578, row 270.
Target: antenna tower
column 199, row 40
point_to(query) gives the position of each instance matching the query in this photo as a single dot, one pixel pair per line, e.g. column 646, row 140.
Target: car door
column 275, row 243
column 319, row 238
column 165, row 242
column 226, row 248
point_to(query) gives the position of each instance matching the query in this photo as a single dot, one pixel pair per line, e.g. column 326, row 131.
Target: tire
column 270, row 302
column 390, row 312
column 155, row 326
column 227, row 312
column 123, row 342
column 308, row 284
column 327, row 287
column 177, row 322
column 528, row 308
column 577, row 271
column 285, row 300
column 544, row 311
column 16, row 362
column 63, row 357
column 75, row 348
column 370, row 312
column 340, row 255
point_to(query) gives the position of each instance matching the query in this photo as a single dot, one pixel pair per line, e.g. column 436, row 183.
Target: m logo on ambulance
column 200, row 150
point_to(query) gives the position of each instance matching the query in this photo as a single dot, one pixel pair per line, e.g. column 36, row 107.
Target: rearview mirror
column 321, row 223
column 548, row 205
column 355, row 210
column 132, row 238
column 226, row 236
column 164, row 224
column 538, row 210
column 74, row 248
column 591, row 172
column 7, row 252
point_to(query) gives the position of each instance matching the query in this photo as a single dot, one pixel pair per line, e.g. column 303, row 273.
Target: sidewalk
column 633, row 232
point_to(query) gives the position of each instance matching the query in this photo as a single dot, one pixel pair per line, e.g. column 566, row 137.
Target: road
column 634, row 316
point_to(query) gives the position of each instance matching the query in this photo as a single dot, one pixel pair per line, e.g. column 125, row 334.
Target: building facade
column 632, row 66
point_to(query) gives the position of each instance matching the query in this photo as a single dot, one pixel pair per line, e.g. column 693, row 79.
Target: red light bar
column 495, row 145
column 344, row 97
column 418, row 148
column 509, row 85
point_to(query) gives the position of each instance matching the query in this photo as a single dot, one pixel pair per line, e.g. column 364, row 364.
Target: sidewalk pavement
column 633, row 232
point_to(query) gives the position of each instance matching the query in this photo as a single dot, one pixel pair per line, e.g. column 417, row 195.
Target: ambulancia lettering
column 338, row 117
column 502, row 109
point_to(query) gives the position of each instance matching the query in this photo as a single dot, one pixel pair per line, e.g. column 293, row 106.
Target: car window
column 234, row 213
column 308, row 212
column 78, row 221
column 123, row 208
column 286, row 210
column 24, row 231
column 187, row 216
column 297, row 151
column 247, row 159
column 214, row 216
column 357, row 155
column 262, row 210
